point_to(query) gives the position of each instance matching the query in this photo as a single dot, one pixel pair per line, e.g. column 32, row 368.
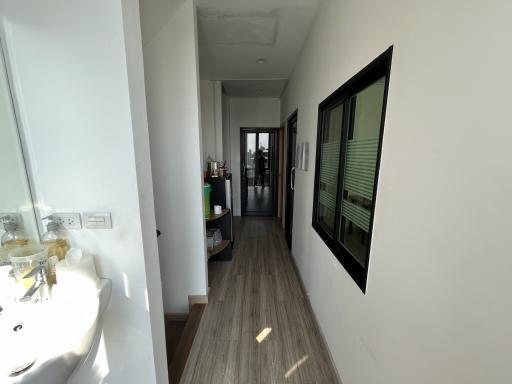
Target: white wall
column 135, row 69
column 154, row 14
column 172, row 89
column 437, row 308
column 207, row 120
column 219, row 140
column 226, row 134
column 81, row 95
column 248, row 113
column 211, row 120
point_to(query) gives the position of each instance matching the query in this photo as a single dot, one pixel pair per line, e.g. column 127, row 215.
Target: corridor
column 258, row 327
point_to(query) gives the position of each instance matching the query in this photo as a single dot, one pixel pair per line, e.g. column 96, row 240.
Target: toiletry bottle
column 57, row 248
column 13, row 237
column 4, row 257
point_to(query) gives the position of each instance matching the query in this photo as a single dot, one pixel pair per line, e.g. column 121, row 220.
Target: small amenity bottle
column 13, row 237
column 57, row 248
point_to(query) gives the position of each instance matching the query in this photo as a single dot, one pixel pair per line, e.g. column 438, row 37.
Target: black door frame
column 243, row 192
column 288, row 214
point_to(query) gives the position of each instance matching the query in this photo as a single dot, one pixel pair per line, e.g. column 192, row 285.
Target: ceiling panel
column 232, row 48
column 234, row 28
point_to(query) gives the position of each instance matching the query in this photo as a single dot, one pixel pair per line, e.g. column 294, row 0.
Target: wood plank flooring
column 179, row 360
column 173, row 331
column 258, row 293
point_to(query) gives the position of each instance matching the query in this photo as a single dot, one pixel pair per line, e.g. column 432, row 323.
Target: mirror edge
column 22, row 140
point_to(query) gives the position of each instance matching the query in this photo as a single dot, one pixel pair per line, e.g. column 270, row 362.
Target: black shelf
column 214, row 217
column 219, row 248
column 221, row 195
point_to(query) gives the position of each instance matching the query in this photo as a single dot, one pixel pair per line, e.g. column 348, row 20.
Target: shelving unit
column 214, row 217
column 221, row 195
column 219, row 248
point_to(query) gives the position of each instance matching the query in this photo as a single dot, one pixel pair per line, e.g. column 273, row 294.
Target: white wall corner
column 135, row 69
column 217, row 108
column 173, row 102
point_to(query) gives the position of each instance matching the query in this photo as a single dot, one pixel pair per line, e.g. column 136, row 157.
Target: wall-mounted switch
column 97, row 220
column 67, row 220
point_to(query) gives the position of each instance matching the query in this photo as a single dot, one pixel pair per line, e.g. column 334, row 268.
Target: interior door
column 258, row 171
column 247, row 148
column 290, row 176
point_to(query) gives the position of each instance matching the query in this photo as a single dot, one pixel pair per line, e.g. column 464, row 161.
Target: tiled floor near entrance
column 258, row 326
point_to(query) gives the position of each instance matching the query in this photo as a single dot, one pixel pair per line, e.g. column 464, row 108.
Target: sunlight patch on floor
column 295, row 366
column 263, row 334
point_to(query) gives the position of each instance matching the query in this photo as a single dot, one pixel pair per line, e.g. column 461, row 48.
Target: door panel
column 290, row 177
column 244, row 162
column 258, row 170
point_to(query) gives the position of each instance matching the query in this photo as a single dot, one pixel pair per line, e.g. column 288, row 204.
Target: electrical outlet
column 67, row 220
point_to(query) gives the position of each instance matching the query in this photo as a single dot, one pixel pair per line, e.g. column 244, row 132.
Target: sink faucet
column 39, row 274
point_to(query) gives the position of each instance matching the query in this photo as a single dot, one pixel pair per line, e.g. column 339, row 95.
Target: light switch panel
column 97, row 220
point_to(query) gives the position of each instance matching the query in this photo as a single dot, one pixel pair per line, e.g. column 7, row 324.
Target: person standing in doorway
column 259, row 168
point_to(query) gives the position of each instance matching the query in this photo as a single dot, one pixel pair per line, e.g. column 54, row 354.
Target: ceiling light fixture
column 261, row 60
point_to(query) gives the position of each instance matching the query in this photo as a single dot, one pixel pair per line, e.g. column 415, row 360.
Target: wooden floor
column 173, row 331
column 182, row 349
column 257, row 294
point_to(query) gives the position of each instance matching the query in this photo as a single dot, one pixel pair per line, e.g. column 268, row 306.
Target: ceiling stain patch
column 217, row 27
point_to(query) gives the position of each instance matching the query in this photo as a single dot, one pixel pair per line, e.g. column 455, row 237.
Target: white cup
column 217, row 209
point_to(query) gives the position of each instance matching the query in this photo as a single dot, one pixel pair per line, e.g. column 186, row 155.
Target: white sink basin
column 47, row 340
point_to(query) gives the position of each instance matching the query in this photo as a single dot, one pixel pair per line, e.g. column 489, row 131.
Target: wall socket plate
column 67, row 220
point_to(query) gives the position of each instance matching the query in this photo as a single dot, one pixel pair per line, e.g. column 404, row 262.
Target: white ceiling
column 238, row 60
column 254, row 88
column 233, row 34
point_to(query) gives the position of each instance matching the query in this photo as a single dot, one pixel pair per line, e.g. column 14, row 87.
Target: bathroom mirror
column 15, row 197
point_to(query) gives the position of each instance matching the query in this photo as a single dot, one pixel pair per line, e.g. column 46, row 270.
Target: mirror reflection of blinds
column 329, row 173
column 359, row 179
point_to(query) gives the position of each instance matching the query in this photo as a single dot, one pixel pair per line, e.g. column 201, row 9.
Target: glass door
column 258, row 171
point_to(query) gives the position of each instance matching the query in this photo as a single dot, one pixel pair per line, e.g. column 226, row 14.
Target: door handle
column 292, row 179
